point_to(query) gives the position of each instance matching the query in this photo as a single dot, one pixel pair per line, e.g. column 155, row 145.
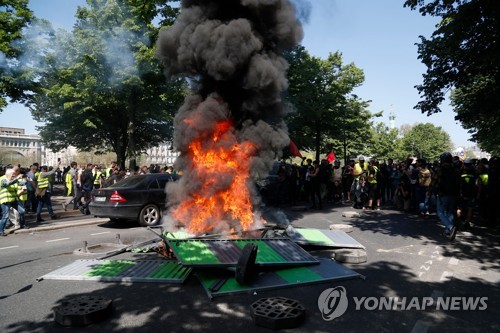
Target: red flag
column 331, row 157
column 294, row 150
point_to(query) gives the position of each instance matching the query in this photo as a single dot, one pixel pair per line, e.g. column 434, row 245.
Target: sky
column 377, row 36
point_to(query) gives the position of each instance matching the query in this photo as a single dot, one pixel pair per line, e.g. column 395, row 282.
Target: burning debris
column 231, row 129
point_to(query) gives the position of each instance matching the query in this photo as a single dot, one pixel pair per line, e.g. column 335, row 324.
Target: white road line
column 446, row 276
column 100, row 233
column 9, row 247
column 56, row 240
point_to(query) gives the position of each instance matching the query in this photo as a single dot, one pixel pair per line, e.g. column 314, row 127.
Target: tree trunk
column 131, row 133
column 318, row 138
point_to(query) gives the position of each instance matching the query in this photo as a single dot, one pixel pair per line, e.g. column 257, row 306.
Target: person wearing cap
column 43, row 192
column 445, row 185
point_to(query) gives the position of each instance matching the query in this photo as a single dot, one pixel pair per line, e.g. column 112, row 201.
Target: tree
column 103, row 88
column 386, row 143
column 320, row 92
column 14, row 16
column 462, row 55
column 425, row 141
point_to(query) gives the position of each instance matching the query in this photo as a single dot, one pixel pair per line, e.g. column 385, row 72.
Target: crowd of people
column 29, row 190
column 459, row 192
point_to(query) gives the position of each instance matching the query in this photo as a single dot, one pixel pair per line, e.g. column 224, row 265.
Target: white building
column 18, row 148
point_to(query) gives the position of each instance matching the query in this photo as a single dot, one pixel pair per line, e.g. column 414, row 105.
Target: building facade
column 16, row 147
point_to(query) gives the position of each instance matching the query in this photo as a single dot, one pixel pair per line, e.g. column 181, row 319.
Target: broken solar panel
column 216, row 284
column 226, row 252
column 122, row 270
column 327, row 238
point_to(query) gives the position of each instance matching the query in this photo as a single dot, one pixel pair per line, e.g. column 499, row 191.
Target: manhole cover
column 352, row 256
column 83, row 310
column 278, row 313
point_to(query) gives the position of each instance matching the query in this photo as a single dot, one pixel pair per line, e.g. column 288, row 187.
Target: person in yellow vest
column 68, row 180
column 373, row 192
column 109, row 171
column 8, row 199
column 357, row 184
column 43, row 191
column 22, row 195
column 97, row 174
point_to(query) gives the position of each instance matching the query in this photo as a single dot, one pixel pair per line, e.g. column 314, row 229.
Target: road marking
column 100, row 233
column 9, row 247
column 420, row 327
column 397, row 249
column 56, row 240
column 446, row 276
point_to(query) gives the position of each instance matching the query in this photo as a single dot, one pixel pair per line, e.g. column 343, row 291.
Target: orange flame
column 217, row 160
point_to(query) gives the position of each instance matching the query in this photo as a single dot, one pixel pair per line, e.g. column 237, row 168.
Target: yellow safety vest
column 484, row 178
column 374, row 179
column 97, row 176
column 22, row 195
column 8, row 193
column 69, row 183
column 43, row 182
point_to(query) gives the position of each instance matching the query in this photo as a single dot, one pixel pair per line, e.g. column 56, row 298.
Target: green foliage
column 103, row 87
column 14, row 16
column 386, row 143
column 325, row 111
column 462, row 55
column 425, row 141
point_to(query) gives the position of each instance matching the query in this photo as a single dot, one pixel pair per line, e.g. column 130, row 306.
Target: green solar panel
column 218, row 284
column 226, row 252
column 110, row 268
column 325, row 238
column 122, row 270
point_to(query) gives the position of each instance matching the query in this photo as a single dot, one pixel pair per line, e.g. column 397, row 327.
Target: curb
column 59, row 225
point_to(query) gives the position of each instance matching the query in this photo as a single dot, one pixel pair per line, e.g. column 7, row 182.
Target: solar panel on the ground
column 226, row 252
column 327, row 238
column 122, row 270
column 218, row 284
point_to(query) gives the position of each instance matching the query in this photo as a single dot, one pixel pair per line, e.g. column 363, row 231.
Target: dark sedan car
column 140, row 198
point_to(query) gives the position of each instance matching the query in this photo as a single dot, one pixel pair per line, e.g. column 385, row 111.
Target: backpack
column 449, row 182
column 424, row 178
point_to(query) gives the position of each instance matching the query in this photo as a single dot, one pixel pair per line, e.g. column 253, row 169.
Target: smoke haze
column 231, row 50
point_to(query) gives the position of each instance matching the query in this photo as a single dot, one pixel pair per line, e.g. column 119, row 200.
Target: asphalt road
column 407, row 257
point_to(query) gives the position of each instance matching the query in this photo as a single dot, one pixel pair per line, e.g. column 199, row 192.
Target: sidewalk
column 63, row 221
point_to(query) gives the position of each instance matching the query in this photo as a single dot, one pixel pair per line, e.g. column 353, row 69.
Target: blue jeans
column 45, row 200
column 423, row 200
column 445, row 207
column 5, row 214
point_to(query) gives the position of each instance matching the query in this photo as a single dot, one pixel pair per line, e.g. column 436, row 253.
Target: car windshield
column 128, row 182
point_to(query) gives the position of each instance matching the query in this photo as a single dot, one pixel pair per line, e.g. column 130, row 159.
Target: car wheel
column 149, row 215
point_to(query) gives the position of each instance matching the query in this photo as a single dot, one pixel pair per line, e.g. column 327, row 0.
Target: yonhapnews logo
column 333, row 303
